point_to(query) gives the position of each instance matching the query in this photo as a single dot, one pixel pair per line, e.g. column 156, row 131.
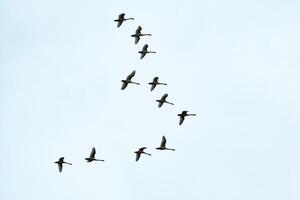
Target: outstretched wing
column 59, row 167
column 142, row 149
column 138, row 30
column 152, row 87
column 93, row 153
column 136, row 39
column 160, row 103
column 181, row 119
column 163, row 142
column 155, row 79
column 120, row 22
column 124, row 85
column 129, row 77
column 61, row 159
column 142, row 55
column 137, row 157
column 145, row 47
column 163, row 98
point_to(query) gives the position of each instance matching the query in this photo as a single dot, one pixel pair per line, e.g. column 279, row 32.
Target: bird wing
column 163, row 98
column 155, row 79
column 137, row 39
column 160, row 103
column 129, row 77
column 142, row 149
column 143, row 55
column 61, row 159
column 138, row 30
column 137, row 157
column 93, row 153
column 145, row 47
column 59, row 167
column 153, row 86
column 124, row 85
column 121, row 16
column 163, row 142
column 119, row 23
column 181, row 120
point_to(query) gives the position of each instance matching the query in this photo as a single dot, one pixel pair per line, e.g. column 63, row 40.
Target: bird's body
column 60, row 163
column 144, row 51
column 92, row 156
column 138, row 34
column 154, row 83
column 139, row 152
column 182, row 115
column 121, row 19
column 163, row 145
column 128, row 80
column 163, row 100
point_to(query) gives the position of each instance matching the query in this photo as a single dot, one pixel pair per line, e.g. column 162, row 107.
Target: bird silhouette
column 138, row 34
column 139, row 152
column 92, row 156
column 60, row 163
column 121, row 19
column 163, row 100
column 163, row 144
column 144, row 51
column 154, row 83
column 182, row 115
column 128, row 80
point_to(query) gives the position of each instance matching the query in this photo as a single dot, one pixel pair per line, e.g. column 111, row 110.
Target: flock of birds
column 137, row 35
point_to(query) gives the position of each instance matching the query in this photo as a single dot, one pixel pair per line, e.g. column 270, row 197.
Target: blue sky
column 235, row 64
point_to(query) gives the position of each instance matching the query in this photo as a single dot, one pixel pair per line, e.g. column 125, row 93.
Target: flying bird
column 60, row 163
column 92, row 156
column 154, row 83
column 138, row 34
column 121, row 19
column 139, row 152
column 182, row 115
column 144, row 51
column 128, row 80
column 163, row 100
column 163, row 145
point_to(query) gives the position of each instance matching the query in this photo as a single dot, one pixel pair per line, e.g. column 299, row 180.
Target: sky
column 233, row 63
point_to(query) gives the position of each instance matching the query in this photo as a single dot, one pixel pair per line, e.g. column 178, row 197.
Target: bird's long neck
column 145, row 34
column 161, row 83
column 134, row 83
column 169, row 103
column 129, row 19
column 147, row 153
column 68, row 163
column 170, row 149
column 191, row 115
column 98, row 160
column 151, row 52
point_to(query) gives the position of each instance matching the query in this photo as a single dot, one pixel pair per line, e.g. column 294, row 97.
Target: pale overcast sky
column 233, row 63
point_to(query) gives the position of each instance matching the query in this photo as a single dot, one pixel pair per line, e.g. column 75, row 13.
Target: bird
column 138, row 34
column 182, row 115
column 121, row 19
column 154, row 83
column 162, row 100
column 60, row 163
column 128, row 80
column 144, row 51
column 92, row 156
column 163, row 145
column 139, row 152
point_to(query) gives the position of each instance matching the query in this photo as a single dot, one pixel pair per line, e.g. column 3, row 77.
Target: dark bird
column 92, row 156
column 139, row 152
column 163, row 145
column 163, row 100
column 128, row 80
column 60, row 163
column 182, row 115
column 145, row 51
column 154, row 83
column 138, row 34
column 121, row 19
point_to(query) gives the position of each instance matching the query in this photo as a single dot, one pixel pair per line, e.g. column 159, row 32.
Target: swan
column 60, row 163
column 162, row 100
column 92, row 156
column 139, row 152
column 144, row 51
column 154, row 83
column 128, row 80
column 138, row 34
column 182, row 115
column 121, row 19
column 163, row 145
